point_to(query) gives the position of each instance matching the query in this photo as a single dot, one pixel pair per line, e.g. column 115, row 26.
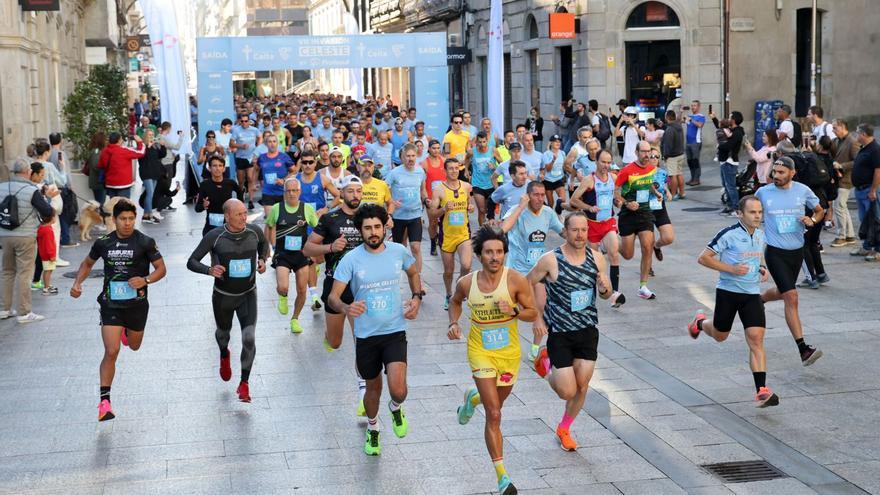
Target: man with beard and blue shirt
column 407, row 184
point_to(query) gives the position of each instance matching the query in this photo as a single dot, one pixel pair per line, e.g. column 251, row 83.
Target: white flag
column 356, row 75
column 495, row 72
column 161, row 20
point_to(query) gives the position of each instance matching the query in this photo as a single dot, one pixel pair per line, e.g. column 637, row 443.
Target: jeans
column 123, row 192
column 842, row 217
column 728, row 180
column 149, row 189
column 866, row 206
column 65, row 230
column 100, row 195
column 539, row 146
column 692, row 151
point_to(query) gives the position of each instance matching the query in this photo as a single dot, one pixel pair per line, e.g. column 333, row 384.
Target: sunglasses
column 456, row 122
column 309, row 162
column 654, row 157
column 211, row 136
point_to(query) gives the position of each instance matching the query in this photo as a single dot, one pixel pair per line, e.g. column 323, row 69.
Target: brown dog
column 89, row 216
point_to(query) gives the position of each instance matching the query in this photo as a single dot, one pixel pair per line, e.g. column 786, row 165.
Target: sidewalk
column 661, row 405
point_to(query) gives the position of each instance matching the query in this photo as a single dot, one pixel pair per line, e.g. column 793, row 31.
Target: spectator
column 844, row 149
column 694, row 141
column 115, row 160
column 57, row 156
column 19, row 241
column 47, row 253
column 820, row 128
column 171, row 144
column 151, row 170
column 765, row 156
column 866, row 181
column 96, row 175
column 535, row 126
column 672, row 147
column 57, row 181
column 786, row 129
column 653, row 133
column 728, row 157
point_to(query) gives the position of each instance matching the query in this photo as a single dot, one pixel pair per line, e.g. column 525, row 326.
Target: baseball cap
column 630, row 110
column 366, row 158
column 555, row 137
column 350, row 180
column 514, row 146
column 355, row 149
column 785, row 162
column 622, row 102
column 336, row 149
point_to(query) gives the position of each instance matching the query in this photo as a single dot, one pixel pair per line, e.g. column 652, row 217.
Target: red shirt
column 46, row 242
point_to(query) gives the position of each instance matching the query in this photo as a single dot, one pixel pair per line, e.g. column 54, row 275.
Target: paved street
column 661, row 404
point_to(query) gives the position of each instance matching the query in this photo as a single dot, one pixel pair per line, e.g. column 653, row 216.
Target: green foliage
column 95, row 104
column 147, row 88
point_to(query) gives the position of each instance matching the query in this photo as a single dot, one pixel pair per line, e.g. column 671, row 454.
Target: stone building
column 43, row 55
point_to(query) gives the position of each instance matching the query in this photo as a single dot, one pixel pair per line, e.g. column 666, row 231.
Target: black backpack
column 9, row 210
column 811, row 171
column 798, row 138
column 604, row 128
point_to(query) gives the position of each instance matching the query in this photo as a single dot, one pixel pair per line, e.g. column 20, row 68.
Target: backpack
column 604, row 128
column 798, row 138
column 9, row 210
column 811, row 171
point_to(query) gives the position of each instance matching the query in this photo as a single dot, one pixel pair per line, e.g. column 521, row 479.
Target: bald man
column 236, row 249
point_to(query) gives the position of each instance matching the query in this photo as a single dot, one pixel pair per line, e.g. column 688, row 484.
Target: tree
column 95, row 104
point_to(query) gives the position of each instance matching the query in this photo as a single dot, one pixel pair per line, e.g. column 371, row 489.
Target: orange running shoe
column 693, row 329
column 541, row 361
column 565, row 439
column 766, row 398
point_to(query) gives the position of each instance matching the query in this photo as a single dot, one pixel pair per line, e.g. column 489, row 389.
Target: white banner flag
column 355, row 76
column 161, row 20
column 495, row 72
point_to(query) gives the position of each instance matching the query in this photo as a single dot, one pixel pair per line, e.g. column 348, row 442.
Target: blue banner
column 215, row 100
column 431, row 98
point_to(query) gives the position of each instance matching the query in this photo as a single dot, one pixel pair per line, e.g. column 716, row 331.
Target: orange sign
column 561, row 26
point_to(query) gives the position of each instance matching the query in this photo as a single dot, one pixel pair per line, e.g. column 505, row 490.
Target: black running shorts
column 133, row 318
column 486, row 193
column 347, row 296
column 564, row 347
column 784, row 266
column 290, row 260
column 243, row 164
column 661, row 216
column 412, row 228
column 728, row 304
column 374, row 353
column 632, row 222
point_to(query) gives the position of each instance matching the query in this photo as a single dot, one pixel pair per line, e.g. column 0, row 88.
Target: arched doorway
column 653, row 58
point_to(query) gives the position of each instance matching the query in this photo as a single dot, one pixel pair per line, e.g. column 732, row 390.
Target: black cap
column 514, row 146
column 555, row 137
column 622, row 102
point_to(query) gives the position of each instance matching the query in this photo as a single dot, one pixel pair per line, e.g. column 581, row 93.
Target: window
column 531, row 28
column 534, row 81
column 652, row 14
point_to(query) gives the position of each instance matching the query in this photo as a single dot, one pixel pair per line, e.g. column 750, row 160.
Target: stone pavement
column 661, row 404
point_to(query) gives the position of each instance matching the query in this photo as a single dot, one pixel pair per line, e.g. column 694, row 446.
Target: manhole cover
column 700, row 209
column 702, row 188
column 744, row 471
column 94, row 274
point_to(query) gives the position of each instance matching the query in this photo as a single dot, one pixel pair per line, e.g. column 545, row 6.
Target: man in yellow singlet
column 498, row 298
column 451, row 202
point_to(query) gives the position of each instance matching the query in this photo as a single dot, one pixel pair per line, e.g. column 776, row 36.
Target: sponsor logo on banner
column 215, row 55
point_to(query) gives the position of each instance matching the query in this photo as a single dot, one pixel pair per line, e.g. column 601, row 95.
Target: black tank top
column 291, row 229
column 571, row 299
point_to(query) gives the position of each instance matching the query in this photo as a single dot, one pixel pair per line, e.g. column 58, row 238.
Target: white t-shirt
column 823, row 129
column 787, row 128
column 630, row 143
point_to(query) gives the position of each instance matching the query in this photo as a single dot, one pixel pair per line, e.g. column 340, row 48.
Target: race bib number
column 456, row 218
column 655, row 203
column 293, row 242
column 581, row 299
column 240, row 268
column 535, row 250
column 786, row 224
column 642, row 196
column 604, row 201
column 121, row 291
column 215, row 219
column 271, row 177
column 410, row 194
column 379, row 304
column 495, row 338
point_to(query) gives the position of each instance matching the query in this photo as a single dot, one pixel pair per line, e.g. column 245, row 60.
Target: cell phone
column 686, row 107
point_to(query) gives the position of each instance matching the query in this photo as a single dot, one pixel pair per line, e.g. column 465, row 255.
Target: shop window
column 652, row 15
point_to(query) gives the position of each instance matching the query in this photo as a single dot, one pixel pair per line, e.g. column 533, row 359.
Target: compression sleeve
column 194, row 264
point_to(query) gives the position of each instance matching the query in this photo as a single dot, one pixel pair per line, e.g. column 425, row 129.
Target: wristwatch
column 147, row 279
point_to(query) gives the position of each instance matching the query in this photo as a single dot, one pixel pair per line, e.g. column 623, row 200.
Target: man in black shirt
column 127, row 254
column 866, row 181
column 235, row 249
column 214, row 192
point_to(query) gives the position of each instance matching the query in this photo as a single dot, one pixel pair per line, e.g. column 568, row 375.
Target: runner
column 435, row 173
column 501, row 175
column 785, row 203
column 658, row 207
column 335, row 173
column 595, row 197
column 378, row 313
column 514, row 188
column 573, row 275
column 527, row 227
column 234, row 250
column 450, row 204
column 456, row 143
column 634, row 188
column 737, row 253
column 407, row 184
column 532, row 157
column 553, row 173
column 481, row 162
column 376, row 191
column 244, row 139
column 273, row 166
column 214, row 192
column 498, row 297
column 291, row 229
column 127, row 254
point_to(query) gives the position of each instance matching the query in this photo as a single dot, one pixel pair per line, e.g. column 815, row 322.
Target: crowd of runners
column 348, row 186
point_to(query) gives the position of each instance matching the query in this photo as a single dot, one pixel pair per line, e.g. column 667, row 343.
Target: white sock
column 373, row 423
column 362, row 387
column 394, row 406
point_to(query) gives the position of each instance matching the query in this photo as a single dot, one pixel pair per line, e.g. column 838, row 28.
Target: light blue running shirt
column 783, row 209
column 375, row 279
column 381, row 154
column 533, row 162
column 481, row 173
column 527, row 239
column 508, row 196
column 557, row 172
column 245, row 136
column 406, row 187
column 735, row 246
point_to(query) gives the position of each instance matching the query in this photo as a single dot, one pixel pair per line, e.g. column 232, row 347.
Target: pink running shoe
column 124, row 337
column 766, row 398
column 105, row 412
column 541, row 367
column 693, row 329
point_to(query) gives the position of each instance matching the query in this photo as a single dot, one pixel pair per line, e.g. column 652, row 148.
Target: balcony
column 419, row 12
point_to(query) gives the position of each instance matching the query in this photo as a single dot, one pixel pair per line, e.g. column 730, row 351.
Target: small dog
column 90, row 215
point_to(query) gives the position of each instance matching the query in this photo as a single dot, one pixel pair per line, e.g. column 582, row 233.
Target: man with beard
column 370, row 273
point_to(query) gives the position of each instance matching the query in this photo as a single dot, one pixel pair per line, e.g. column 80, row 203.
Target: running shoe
column 565, row 440
column 158, row 216
column 658, row 253
column 398, row 422
column 859, row 252
column 466, row 410
column 316, row 303
column 540, row 362
column 327, row 346
column 823, row 278
column 765, row 398
column 645, row 293
column 617, row 299
column 693, row 329
column 295, row 326
column 105, row 412
column 361, row 410
column 30, row 318
column 650, row 272
column 49, row 291
column 244, row 392
column 505, row 486
column 810, row 355
column 282, row 304
column 250, row 205
column 37, row 285
column 123, row 337
column 371, row 446
column 808, row 283
column 446, row 304
column 225, row 367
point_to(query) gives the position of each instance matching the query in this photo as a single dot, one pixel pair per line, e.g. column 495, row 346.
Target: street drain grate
column 744, row 471
column 700, row 209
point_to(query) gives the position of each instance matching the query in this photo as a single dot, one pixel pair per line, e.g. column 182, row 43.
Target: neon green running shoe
column 37, row 285
column 466, row 410
column 282, row 304
column 398, row 422
column 327, row 346
column 361, row 410
column 295, row 326
column 371, row 446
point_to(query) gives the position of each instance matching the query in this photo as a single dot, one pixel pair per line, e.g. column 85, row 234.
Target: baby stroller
column 746, row 181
